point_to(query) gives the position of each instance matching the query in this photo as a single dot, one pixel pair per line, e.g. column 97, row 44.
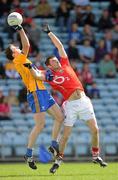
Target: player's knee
column 59, row 117
column 39, row 127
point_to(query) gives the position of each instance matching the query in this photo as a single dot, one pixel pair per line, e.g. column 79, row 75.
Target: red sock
column 95, row 152
column 61, row 154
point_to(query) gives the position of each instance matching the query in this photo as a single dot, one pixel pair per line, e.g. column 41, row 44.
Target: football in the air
column 14, row 18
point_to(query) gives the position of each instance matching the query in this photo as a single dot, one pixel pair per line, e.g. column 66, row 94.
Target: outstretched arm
column 38, row 74
column 24, row 39
column 55, row 40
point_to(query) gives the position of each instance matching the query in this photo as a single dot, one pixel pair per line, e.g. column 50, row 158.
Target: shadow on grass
column 46, row 175
column 42, row 175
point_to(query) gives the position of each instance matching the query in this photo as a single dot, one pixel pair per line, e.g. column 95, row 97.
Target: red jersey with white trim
column 65, row 80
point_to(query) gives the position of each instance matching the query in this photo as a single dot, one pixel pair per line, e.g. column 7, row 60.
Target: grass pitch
column 68, row 171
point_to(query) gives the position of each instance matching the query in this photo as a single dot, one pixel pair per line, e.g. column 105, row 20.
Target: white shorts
column 78, row 109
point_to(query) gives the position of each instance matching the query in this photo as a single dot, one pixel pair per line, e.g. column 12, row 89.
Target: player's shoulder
column 20, row 58
column 64, row 60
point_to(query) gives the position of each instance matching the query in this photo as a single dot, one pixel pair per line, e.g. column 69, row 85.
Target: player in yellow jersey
column 38, row 97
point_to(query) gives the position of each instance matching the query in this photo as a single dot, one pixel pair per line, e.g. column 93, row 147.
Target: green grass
column 68, row 171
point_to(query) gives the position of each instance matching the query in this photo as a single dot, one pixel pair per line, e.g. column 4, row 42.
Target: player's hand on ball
column 17, row 27
column 46, row 28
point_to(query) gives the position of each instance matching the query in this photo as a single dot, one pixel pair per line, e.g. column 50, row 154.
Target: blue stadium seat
column 20, row 122
column 110, row 149
column 112, row 107
column 22, row 128
column 7, row 128
column 104, row 94
column 104, row 4
column 109, row 100
column 95, row 5
column 81, row 150
column 68, row 150
column 99, row 107
column 19, row 140
column 6, row 151
column 18, row 115
column 102, row 114
column 7, row 141
column 20, row 151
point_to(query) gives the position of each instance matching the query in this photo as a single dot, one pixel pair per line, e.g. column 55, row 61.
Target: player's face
column 16, row 51
column 54, row 63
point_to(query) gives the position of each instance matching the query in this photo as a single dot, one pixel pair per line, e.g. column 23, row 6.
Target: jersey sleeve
column 64, row 61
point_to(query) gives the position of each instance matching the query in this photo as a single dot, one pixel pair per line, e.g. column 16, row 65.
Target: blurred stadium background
column 16, row 120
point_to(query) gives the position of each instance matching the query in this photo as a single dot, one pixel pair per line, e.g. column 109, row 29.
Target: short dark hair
column 9, row 53
column 47, row 62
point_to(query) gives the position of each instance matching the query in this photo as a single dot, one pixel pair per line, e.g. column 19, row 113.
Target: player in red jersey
column 76, row 102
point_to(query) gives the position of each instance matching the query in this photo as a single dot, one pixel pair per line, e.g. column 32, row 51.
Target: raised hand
column 46, row 28
column 17, row 27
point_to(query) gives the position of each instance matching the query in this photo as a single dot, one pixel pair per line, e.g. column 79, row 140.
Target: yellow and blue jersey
column 38, row 97
column 30, row 82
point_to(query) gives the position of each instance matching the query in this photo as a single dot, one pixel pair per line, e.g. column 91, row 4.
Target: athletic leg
column 39, row 119
column 58, row 117
column 92, row 124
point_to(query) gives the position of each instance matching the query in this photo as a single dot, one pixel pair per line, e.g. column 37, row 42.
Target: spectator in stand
column 86, row 52
column 86, row 75
column 5, row 111
column 75, row 34
column 2, row 71
column 115, row 19
column 44, row 10
column 31, row 8
column 115, row 35
column 114, row 56
column 5, row 6
column 100, row 51
column 34, row 38
column 107, row 68
column 79, row 15
column 88, row 34
column 108, row 41
column 16, row 7
column 89, row 16
column 76, row 16
column 62, row 15
column 12, row 98
column 25, row 108
column 22, row 96
column 27, row 20
column 70, row 4
column 105, row 21
column 113, row 7
column 94, row 92
column 72, row 51
column 74, row 66
column 10, row 71
column 37, row 61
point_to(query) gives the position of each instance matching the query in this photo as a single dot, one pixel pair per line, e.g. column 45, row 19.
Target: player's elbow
column 27, row 46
